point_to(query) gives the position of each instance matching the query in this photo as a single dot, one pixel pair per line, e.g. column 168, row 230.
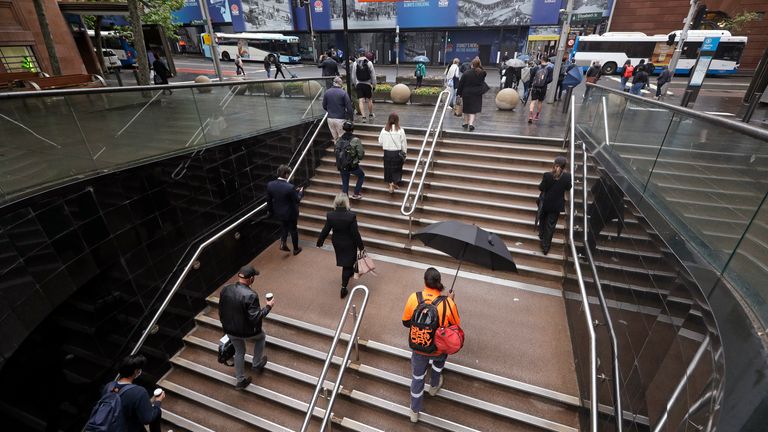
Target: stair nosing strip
column 183, row 422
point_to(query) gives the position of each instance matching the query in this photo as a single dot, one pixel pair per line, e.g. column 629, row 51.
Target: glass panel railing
column 54, row 136
column 705, row 175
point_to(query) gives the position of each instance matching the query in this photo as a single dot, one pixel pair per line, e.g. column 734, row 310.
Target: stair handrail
column 437, row 131
column 329, row 359
column 212, row 239
column 615, row 372
column 593, row 400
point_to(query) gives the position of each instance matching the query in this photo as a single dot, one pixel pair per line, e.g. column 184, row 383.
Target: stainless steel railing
column 215, row 237
column 409, row 206
column 329, row 359
column 593, row 398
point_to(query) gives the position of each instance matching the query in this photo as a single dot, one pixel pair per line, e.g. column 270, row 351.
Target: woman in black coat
column 554, row 184
column 471, row 88
column 346, row 238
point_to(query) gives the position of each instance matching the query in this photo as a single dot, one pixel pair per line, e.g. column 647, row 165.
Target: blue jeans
column 526, row 90
column 635, row 90
column 623, row 83
column 345, row 180
column 419, row 364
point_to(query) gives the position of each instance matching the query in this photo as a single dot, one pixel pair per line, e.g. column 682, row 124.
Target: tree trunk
column 47, row 37
column 99, row 46
column 138, row 41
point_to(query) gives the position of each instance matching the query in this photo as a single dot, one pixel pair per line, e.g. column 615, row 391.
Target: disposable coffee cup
column 158, row 392
column 269, row 296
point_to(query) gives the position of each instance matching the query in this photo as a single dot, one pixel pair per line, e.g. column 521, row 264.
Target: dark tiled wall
column 80, row 266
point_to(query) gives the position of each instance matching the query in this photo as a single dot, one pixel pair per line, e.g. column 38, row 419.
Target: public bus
column 612, row 49
column 255, row 46
column 118, row 44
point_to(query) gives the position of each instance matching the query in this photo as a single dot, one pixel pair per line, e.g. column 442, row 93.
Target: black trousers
column 547, row 225
column 346, row 274
column 286, row 227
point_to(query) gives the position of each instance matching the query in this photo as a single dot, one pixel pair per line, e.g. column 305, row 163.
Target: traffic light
column 671, row 39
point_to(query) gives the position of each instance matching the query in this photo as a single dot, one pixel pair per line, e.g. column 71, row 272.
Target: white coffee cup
column 269, row 296
column 158, row 392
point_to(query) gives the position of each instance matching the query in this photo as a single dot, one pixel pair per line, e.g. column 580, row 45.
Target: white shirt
column 394, row 140
column 453, row 71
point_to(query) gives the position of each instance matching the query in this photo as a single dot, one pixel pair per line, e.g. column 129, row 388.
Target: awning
column 85, row 7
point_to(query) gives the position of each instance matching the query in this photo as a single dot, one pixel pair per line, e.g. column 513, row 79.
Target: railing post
column 355, row 339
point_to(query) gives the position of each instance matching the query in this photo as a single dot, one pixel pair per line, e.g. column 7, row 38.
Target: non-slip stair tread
column 202, row 415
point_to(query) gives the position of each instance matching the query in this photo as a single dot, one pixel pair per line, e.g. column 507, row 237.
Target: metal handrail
column 329, row 359
column 593, row 399
column 436, row 131
column 206, row 243
column 616, row 373
column 744, row 128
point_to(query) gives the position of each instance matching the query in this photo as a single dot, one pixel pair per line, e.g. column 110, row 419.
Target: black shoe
column 471, row 128
column 296, row 251
column 241, row 385
column 284, row 247
column 344, row 292
column 465, row 125
column 259, row 368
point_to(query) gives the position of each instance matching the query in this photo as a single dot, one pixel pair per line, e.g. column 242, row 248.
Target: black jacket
column 346, row 236
column 640, row 78
column 554, row 191
column 240, row 312
column 330, row 67
column 283, row 200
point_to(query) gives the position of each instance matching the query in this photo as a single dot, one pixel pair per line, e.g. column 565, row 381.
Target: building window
column 18, row 59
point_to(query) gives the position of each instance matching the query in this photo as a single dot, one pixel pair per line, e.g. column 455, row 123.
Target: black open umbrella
column 468, row 243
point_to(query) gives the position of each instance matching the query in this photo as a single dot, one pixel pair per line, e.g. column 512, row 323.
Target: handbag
column 449, row 339
column 226, row 351
column 364, row 264
column 591, row 80
column 458, row 110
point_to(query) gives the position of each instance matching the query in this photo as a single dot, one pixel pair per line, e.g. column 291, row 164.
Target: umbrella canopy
column 421, row 59
column 524, row 57
column 573, row 77
column 515, row 63
column 468, row 243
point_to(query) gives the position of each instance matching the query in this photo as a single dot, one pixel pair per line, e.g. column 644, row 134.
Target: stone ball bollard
column 238, row 90
column 202, row 79
column 311, row 88
column 507, row 99
column 400, row 94
column 274, row 89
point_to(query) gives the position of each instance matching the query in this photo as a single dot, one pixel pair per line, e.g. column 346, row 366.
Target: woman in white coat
column 452, row 76
column 392, row 139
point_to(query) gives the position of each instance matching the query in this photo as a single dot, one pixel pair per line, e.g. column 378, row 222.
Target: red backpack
column 628, row 70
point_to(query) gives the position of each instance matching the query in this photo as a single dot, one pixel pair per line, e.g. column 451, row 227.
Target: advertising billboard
column 191, row 14
column 265, row 16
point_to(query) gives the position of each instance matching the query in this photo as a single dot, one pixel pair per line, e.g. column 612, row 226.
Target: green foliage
column 294, row 87
column 89, row 21
column 159, row 12
column 383, row 88
column 427, row 91
column 737, row 22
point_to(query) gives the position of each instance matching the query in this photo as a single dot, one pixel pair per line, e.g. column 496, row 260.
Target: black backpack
column 107, row 415
column 540, row 78
column 424, row 323
column 362, row 71
column 345, row 153
column 226, row 352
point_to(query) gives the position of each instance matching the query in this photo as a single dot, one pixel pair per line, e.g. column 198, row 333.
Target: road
column 719, row 95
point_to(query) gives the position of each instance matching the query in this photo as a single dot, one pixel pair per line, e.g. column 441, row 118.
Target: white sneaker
column 414, row 417
column 433, row 390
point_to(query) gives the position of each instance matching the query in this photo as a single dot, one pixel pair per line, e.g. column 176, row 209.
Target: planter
column 382, row 96
column 294, row 90
column 424, row 99
column 428, row 81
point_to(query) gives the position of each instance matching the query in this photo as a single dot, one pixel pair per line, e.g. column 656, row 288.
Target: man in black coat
column 241, row 317
column 283, row 204
column 329, row 67
column 346, row 238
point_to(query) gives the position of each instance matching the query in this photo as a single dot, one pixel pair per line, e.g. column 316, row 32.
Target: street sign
column 710, row 43
column 706, row 53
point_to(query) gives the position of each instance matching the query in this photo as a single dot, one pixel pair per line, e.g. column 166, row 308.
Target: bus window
column 729, row 51
column 691, row 50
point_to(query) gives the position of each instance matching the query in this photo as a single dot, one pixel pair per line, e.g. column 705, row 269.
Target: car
column 110, row 59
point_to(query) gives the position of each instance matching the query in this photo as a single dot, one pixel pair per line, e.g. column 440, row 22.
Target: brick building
column 652, row 18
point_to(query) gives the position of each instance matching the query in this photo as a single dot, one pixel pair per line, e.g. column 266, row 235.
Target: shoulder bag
column 449, row 339
column 364, row 264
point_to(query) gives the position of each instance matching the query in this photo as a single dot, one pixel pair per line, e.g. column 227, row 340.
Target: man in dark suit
column 283, row 204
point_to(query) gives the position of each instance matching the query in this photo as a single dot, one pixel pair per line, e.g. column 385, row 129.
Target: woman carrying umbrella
column 554, row 184
column 395, row 145
column 346, row 238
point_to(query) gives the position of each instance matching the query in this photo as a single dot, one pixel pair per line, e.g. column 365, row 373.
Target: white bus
column 118, row 44
column 612, row 49
column 255, row 46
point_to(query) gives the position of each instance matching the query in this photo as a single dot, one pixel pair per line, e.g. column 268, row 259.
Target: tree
column 134, row 14
column 737, row 23
column 159, row 12
column 47, row 37
column 150, row 12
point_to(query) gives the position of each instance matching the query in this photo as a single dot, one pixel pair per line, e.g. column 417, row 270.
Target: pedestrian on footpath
column 136, row 407
column 662, row 82
column 554, row 184
column 268, row 65
column 424, row 354
column 525, row 78
column 346, row 238
column 338, row 105
column 329, row 67
column 639, row 81
column 452, row 77
column 593, row 76
column 541, row 77
column 349, row 152
column 420, row 73
column 162, row 73
column 365, row 82
column 239, row 70
column 627, row 74
column 283, row 204
column 395, row 145
column 278, row 66
column 472, row 87
column 241, row 316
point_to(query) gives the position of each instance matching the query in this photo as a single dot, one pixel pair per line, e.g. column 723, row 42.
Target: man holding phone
column 241, row 316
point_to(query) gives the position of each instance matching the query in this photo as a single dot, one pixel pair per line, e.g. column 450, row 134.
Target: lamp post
column 560, row 52
column 214, row 46
column 346, row 45
column 683, row 37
